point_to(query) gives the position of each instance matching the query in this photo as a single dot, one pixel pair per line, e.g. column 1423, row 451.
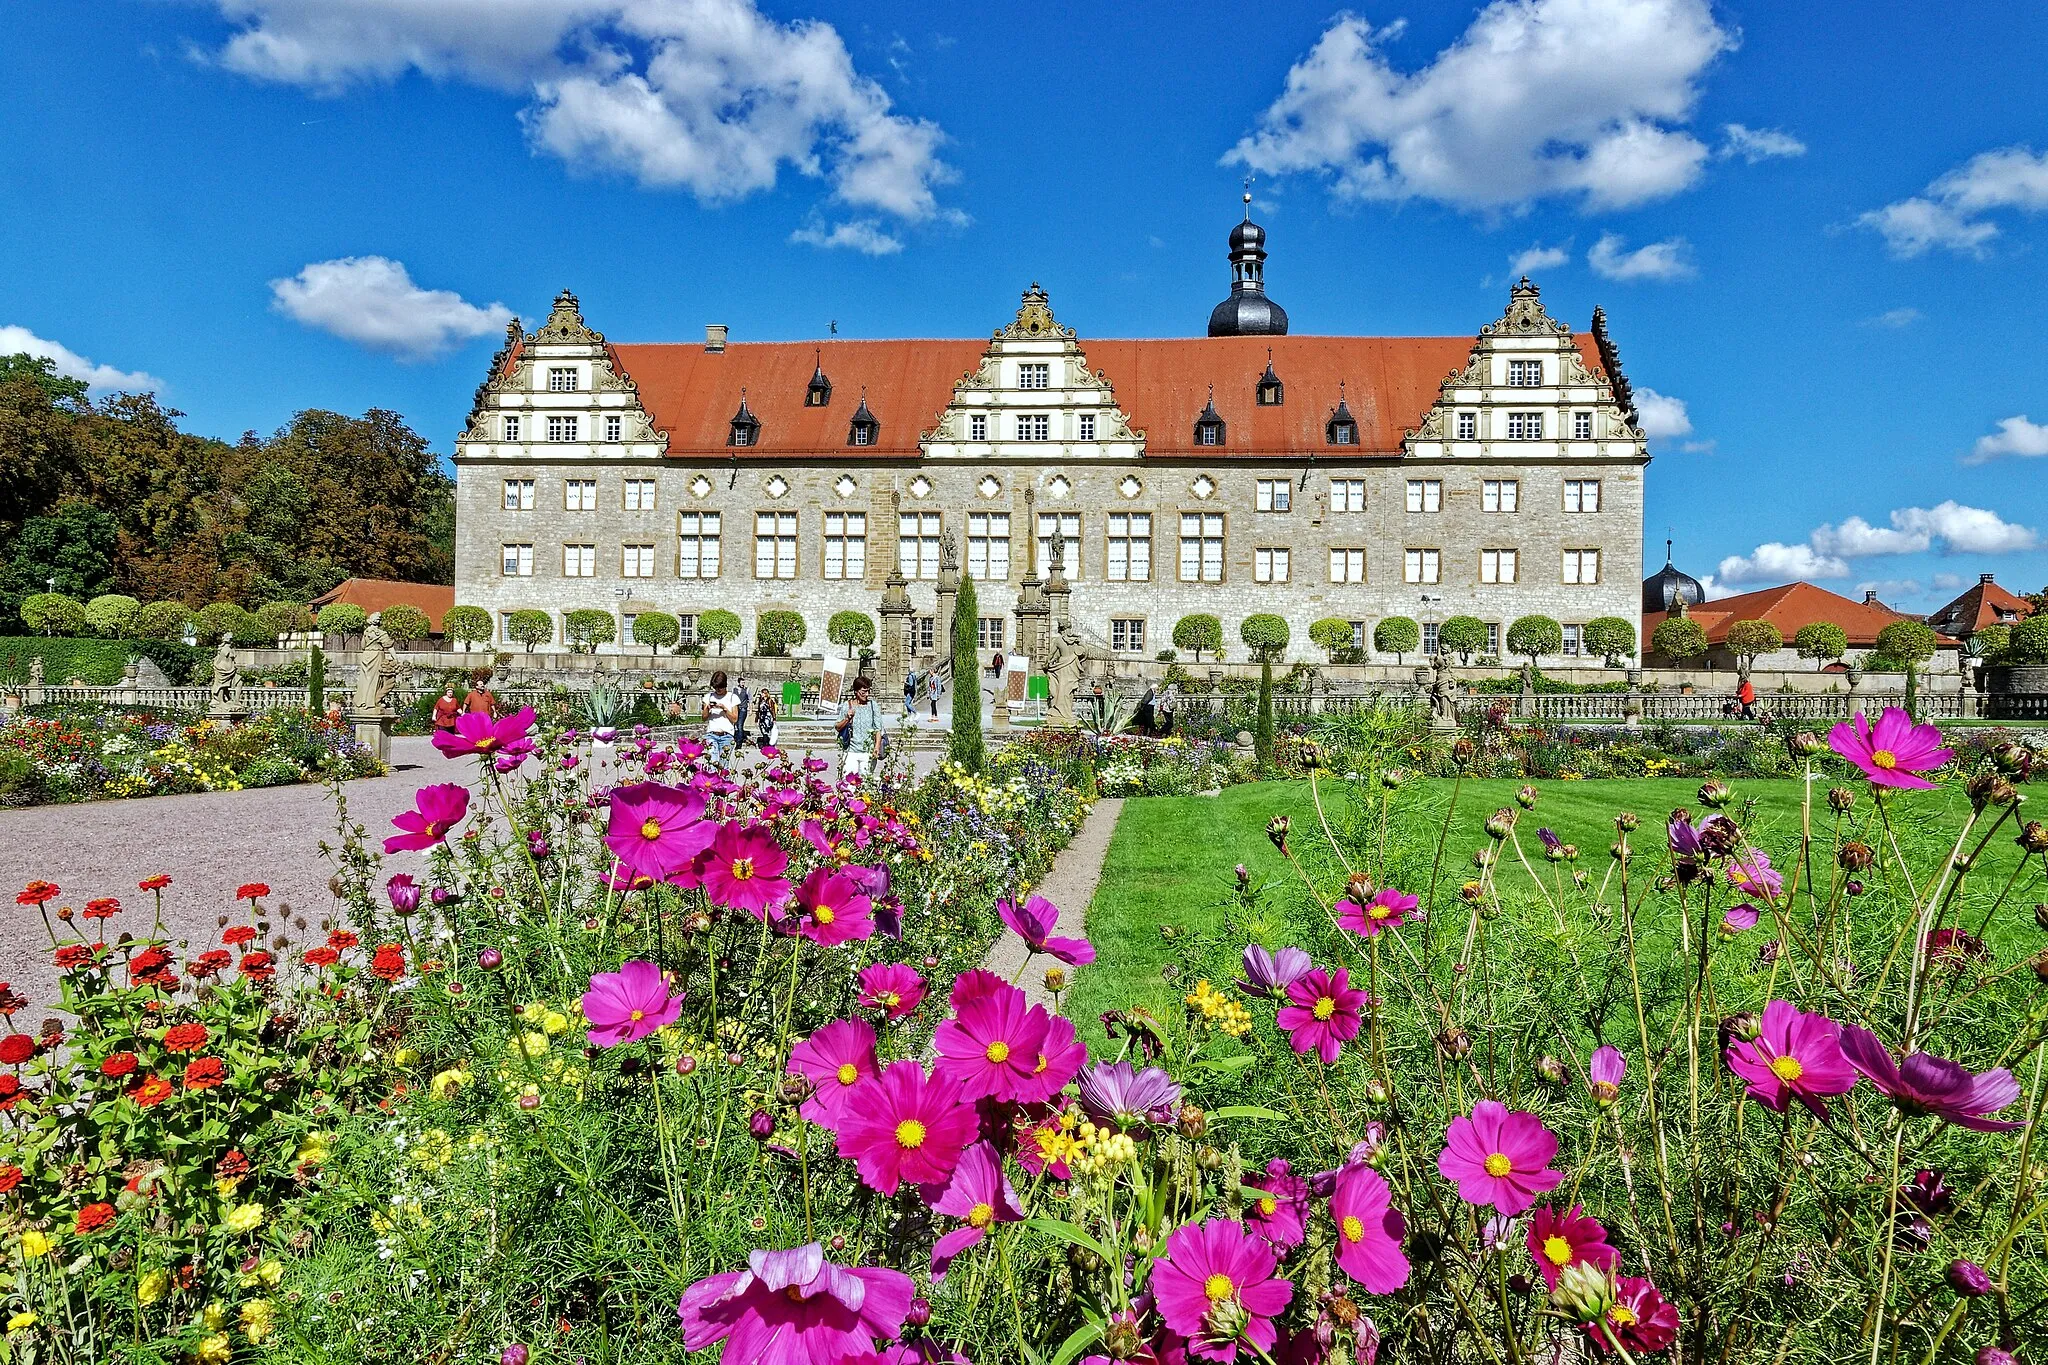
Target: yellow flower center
column 1043, row 1062
column 1353, row 1230
column 998, row 1051
column 650, row 828
column 1217, row 1288
column 1498, row 1165
column 638, row 1015
column 795, row 1293
column 487, row 743
column 848, row 1073
column 1883, row 758
column 890, row 999
column 822, row 914
column 1325, row 1007
column 1787, row 1068
column 1268, row 1205
column 981, row 1215
column 910, row 1134
column 1621, row 1317
column 1378, row 911
column 742, row 869
column 1557, row 1250
column 434, row 828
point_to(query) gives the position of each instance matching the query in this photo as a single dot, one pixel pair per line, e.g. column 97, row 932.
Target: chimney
column 714, row 336
column 1984, row 578
column 1870, row 597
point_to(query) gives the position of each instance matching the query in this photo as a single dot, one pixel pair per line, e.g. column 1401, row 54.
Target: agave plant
column 600, row 705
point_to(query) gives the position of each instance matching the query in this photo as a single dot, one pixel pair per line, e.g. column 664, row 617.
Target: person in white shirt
column 860, row 729
column 721, row 718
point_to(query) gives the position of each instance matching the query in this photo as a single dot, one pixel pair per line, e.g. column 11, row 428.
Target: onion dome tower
column 1666, row 588
column 1248, row 312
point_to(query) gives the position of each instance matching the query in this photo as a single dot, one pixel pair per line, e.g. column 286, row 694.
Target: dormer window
column 864, row 429
column 819, row 393
column 1271, row 391
column 746, row 428
column 1342, row 428
column 1209, row 430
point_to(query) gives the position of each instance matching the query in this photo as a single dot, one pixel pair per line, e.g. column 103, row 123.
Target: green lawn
column 1170, row 862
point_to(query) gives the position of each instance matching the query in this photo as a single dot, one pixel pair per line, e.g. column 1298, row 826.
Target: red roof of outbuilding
column 1787, row 607
column 1985, row 604
column 375, row 594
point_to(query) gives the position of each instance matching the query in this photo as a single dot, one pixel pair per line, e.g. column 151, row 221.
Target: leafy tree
column 1197, row 633
column 73, row 547
column 1398, row 636
column 39, row 416
column 967, row 747
column 1330, row 634
column 111, row 614
column 2028, row 643
column 218, row 619
column 588, row 627
column 718, row 626
column 341, row 618
column 316, row 680
column 1611, row 637
column 656, row 629
column 1463, row 636
column 1262, row 725
column 1531, row 636
column 406, row 623
column 1990, row 641
column 1820, row 641
column 1909, row 642
column 776, row 632
column 41, row 371
column 161, row 621
column 851, row 630
column 529, row 627
column 1678, row 638
column 1265, row 634
column 467, row 626
column 280, row 619
column 1750, row 640
column 52, row 613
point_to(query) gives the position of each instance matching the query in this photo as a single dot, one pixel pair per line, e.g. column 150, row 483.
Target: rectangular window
column 1347, row 495
column 863, row 434
column 846, row 545
column 1347, row 566
column 1422, row 566
column 1085, row 427
column 626, row 620
column 1571, row 642
column 1127, row 634
column 1274, row 495
column 686, row 629
column 1129, row 557
column 519, row 495
column 977, row 427
column 511, row 428
column 924, row 634
column 1201, row 547
column 1525, row 374
column 1582, row 426
column 1497, row 566
column 562, row 379
column 988, row 632
column 614, row 428
column 1582, row 566
column 1525, row 426
column 988, row 546
column 579, row 561
column 505, row 628
column 775, row 545
column 1034, row 375
column 1357, row 634
column 1493, row 638
column 639, row 495
column 1468, row 426
column 1269, row 565
column 1429, row 637
column 697, row 546
column 579, row 495
column 636, row 561
column 1582, row 495
column 1034, row 426
column 1500, row 495
column 1068, row 524
column 518, row 561
column 917, row 544
column 561, row 428
column 1208, row 434
column 1425, row 495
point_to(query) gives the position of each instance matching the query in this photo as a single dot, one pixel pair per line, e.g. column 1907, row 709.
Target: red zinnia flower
column 237, row 934
column 342, row 940
column 205, row 1073
column 249, row 891
column 10, row 1176
column 102, row 907
column 233, row 1166
column 209, row 963
column 259, row 966
column 92, row 1218
column 147, row 968
column 185, row 1037
column 17, row 1048
column 150, row 1091
column 156, row 883
column 76, row 955
column 118, row 1064
column 321, row 957
column 389, row 962
column 10, row 1089
column 37, row 893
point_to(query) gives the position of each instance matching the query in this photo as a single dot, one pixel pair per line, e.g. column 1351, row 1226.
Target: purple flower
column 440, row 808
column 404, row 893
column 791, row 1307
column 1736, row 918
column 1118, row 1093
column 1034, row 924
column 1551, row 843
column 1969, row 1279
column 1926, row 1084
column 1270, row 974
column 1893, row 752
column 1603, row 1075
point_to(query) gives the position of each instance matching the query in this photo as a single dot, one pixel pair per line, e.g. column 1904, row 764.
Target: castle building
column 1248, row 470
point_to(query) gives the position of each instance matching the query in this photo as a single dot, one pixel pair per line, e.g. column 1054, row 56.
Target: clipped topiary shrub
column 776, row 632
column 1398, row 636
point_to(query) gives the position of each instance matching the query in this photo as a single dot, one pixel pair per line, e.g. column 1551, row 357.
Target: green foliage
column 1264, row 634
column 2028, row 643
column 41, row 371
column 161, row 621
column 53, row 613
column 967, row 747
column 587, row 627
column 1678, row 638
column 1398, row 636
column 316, row 680
column 1330, row 634
column 1199, row 633
column 467, row 625
column 181, row 663
column 1463, row 636
column 111, row 614
column 1531, row 636
column 220, row 618
column 851, row 630
column 1907, row 641
column 1262, row 730
column 75, row 545
column 1990, row 641
column 529, row 627
column 96, row 662
column 718, row 626
column 1820, row 641
column 1747, row 640
column 1610, row 637
column 406, row 623
column 341, row 618
column 656, row 629
column 776, row 632
column 280, row 619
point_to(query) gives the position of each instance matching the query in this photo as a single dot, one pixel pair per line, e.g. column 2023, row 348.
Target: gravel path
column 1076, row 871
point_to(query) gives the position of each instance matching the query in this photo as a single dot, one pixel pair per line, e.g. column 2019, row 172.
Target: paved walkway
column 1076, row 871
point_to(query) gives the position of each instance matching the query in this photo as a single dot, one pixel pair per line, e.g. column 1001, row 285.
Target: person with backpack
column 860, row 729
column 765, row 718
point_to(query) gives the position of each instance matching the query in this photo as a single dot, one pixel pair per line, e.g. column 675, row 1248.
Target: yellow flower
column 257, row 1319
column 35, row 1243
column 225, row 1185
column 533, row 1013
column 213, row 1315
column 446, row 1083
column 243, row 1218
column 151, row 1286
column 553, row 1022
column 214, row 1350
column 532, row 1044
column 434, row 1150
column 405, row 1056
column 313, row 1150
column 20, row 1321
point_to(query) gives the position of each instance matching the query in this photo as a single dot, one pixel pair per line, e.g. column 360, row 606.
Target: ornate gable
column 564, row 369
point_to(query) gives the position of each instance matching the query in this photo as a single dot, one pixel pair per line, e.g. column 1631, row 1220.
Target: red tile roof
column 1788, row 608
column 1985, row 604
column 375, row 594
column 1162, row 384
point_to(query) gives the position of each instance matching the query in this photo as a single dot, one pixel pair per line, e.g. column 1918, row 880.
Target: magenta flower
column 1604, row 1071
column 1557, row 1240
column 1641, row 1319
column 476, row 733
column 1369, row 1230
column 979, row 1193
column 656, row 830
column 1060, row 1058
column 794, row 1308
column 835, row 1060
column 1035, row 923
column 975, row 983
column 1217, row 1288
column 832, row 909
column 440, row 808
column 1385, row 910
column 1750, row 872
column 1925, row 1084
column 1797, row 1055
column 403, row 892
column 1893, row 752
column 1279, row 1214
column 1325, row 1013
column 904, row 1126
column 1270, row 974
column 626, row 1005
column 991, row 1049
column 1737, row 918
column 743, row 869
column 1500, row 1157
column 891, row 988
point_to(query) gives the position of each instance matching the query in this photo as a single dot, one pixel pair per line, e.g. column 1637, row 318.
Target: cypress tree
column 967, row 748
column 1262, row 736
column 316, row 681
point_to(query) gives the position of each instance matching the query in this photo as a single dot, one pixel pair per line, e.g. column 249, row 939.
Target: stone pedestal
column 892, row 663
column 373, row 732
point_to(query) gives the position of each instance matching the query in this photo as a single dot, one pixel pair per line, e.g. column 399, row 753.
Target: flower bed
column 62, row 754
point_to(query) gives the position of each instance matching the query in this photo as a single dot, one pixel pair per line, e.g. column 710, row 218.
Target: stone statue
column 1443, row 693
column 1067, row 659
column 35, row 670
column 1526, row 703
column 225, row 675
column 1057, row 543
column 377, row 670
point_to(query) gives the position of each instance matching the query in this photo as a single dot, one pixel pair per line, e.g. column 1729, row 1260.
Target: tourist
column 746, row 696
column 995, row 666
column 722, row 715
column 860, row 730
column 480, row 701
column 1164, row 708
column 765, row 718
column 933, row 685
column 1147, row 712
column 1746, row 695
column 913, row 683
column 446, row 709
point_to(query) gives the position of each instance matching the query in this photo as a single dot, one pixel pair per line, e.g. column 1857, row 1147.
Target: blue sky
column 1816, row 228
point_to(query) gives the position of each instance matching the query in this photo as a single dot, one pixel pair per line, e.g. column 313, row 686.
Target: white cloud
column 1578, row 99
column 1856, row 538
column 864, row 235
column 372, row 301
column 1758, row 144
column 1895, row 318
column 1666, row 260
column 1950, row 212
column 1948, row 528
column 1539, row 258
column 1967, row 530
column 710, row 96
column 1892, row 590
column 1776, row 563
column 2015, row 436
column 72, row 365
column 1661, row 416
column 1713, row 587
column 1949, row 582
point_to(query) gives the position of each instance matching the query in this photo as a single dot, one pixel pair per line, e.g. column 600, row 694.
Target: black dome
column 1666, row 588
column 1247, row 314
column 1247, row 234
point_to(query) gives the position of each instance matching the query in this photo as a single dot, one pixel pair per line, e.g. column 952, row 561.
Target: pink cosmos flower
column 476, row 733
column 626, row 1005
column 1217, row 1288
column 656, row 830
column 1270, row 974
column 1797, row 1055
column 1925, row 1084
column 1641, row 1319
column 979, row 1193
column 991, row 1048
column 1385, row 910
column 973, row 984
column 1737, row 918
column 1279, row 1214
column 1369, row 1230
column 1324, row 1013
column 440, row 808
column 794, row 1308
column 832, row 909
column 1604, row 1071
column 835, row 1059
column 743, row 869
column 903, row 1126
column 1500, row 1157
column 1557, row 1240
column 1750, row 872
column 1060, row 1058
column 1116, row 1093
column 1893, row 752
column 891, row 988
column 1035, row 923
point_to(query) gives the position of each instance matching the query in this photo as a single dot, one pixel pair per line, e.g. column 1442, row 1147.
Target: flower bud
column 1745, row 1026
column 1841, row 799
column 1990, row 789
column 1714, row 792
column 1055, row 979
column 1392, row 778
column 1499, row 823
column 1225, row 1321
column 1244, row 876
column 1376, row 1091
column 1852, row 887
column 795, row 1089
column 1462, row 750
column 1470, row 892
column 761, row 1124
column 1969, row 1279
column 1995, row 1355
column 685, row 1064
column 1192, row 1122
column 2041, row 913
column 1584, row 1292
column 1482, row 857
column 1276, row 830
column 2040, row 966
column 1309, row 755
column 920, row 1312
column 529, row 1102
column 1525, row 797
column 1208, row 1158
column 1854, row 856
column 2033, row 838
column 1520, row 1284
column 1807, row 744
column 490, row 959
column 1359, row 887
column 837, row 1242
column 1455, row 1042
column 1627, row 822
column 1550, row 1069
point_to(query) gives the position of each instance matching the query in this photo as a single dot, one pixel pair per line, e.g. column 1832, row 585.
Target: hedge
column 98, row 662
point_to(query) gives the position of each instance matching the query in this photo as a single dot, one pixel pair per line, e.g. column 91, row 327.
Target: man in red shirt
column 480, row 701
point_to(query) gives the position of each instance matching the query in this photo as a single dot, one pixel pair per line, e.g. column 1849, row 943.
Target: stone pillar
column 130, row 676
column 1057, row 590
column 373, row 732
column 892, row 662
